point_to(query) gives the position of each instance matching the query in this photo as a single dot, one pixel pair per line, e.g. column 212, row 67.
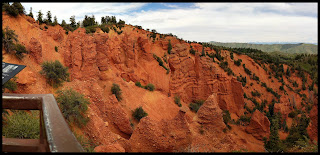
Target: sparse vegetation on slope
column 73, row 106
column 54, row 72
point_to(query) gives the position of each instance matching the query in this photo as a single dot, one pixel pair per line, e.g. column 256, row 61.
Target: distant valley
column 287, row 48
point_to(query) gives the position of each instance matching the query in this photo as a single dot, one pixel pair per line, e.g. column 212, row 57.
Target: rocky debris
column 259, row 125
column 26, row 78
column 35, row 49
column 117, row 115
column 164, row 136
column 101, row 134
column 109, row 148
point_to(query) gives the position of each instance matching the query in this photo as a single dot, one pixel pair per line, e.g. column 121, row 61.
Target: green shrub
column 192, row 51
column 254, row 77
column 226, row 116
column 195, row 105
column 160, row 62
column 104, row 28
column 245, row 118
column 22, row 125
column 138, row 84
column 169, row 46
column 13, row 10
column 54, row 72
column 56, row 48
column 231, row 55
column 91, row 29
column 10, row 85
column 149, row 86
column 139, row 113
column 73, row 106
column 237, row 62
column 177, row 100
column 246, row 69
column 255, row 93
column 20, row 49
column 115, row 89
column 9, row 38
column 292, row 114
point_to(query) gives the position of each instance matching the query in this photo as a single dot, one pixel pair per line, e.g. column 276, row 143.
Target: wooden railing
column 55, row 135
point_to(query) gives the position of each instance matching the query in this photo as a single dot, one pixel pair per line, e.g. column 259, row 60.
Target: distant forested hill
column 287, row 48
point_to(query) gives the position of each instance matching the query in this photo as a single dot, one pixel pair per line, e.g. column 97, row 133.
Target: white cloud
column 66, row 10
column 225, row 22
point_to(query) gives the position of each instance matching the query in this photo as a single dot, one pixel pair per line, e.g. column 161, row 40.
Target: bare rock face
column 57, row 33
column 35, row 49
column 284, row 108
column 102, row 48
column 199, row 78
column 191, row 79
column 163, row 136
column 181, row 50
column 259, row 125
column 80, row 55
column 210, row 114
column 230, row 94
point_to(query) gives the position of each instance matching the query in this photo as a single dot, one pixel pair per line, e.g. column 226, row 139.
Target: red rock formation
column 80, row 55
column 191, row 79
column 210, row 114
column 35, row 49
column 283, row 108
column 117, row 115
column 163, row 136
column 56, row 33
column 259, row 125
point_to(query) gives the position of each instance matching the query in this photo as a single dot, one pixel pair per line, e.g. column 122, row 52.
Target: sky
column 202, row 22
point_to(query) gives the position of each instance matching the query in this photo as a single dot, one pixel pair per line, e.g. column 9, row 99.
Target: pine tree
column 49, row 21
column 40, row 15
column 9, row 38
column 73, row 22
column 103, row 20
column 19, row 7
column 30, row 14
column 274, row 144
column 55, row 21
